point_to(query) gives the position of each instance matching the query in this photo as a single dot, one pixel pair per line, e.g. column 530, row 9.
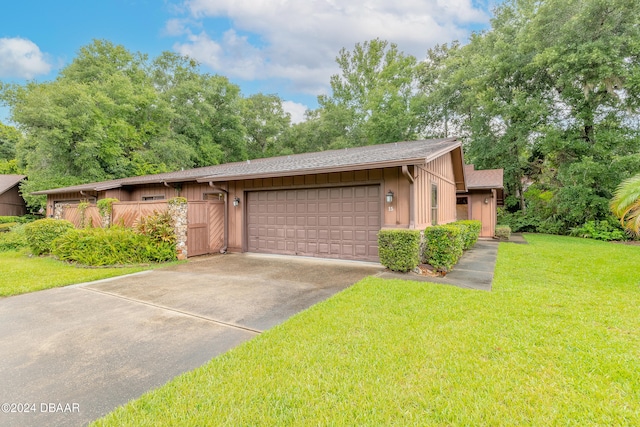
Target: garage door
column 341, row 222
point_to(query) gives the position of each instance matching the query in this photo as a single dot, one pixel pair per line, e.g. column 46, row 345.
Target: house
column 11, row 201
column 328, row 204
column 485, row 192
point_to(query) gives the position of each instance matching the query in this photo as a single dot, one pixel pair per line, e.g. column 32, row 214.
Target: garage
column 335, row 222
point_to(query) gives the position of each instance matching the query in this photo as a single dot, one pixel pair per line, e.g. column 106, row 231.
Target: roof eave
column 308, row 171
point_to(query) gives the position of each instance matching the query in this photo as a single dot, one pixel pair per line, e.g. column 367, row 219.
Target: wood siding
column 12, row 203
column 439, row 172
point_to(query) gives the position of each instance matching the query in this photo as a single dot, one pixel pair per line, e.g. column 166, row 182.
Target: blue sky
column 286, row 47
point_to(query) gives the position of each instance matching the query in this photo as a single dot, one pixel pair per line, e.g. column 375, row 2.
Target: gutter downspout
column 223, row 250
column 412, row 214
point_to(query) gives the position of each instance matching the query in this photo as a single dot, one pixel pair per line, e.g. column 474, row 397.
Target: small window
column 213, row 196
column 150, row 198
column 434, row 204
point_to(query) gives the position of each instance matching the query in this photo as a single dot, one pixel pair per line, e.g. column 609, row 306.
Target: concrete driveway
column 70, row 355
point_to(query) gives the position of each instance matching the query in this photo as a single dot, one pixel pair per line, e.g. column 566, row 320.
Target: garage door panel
column 340, row 222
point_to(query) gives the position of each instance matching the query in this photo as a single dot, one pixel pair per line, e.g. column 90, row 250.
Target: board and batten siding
column 237, row 230
column 439, row 172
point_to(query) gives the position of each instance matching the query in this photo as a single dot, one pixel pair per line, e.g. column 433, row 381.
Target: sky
column 282, row 47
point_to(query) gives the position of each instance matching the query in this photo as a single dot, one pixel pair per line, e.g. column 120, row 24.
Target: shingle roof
column 488, row 178
column 384, row 155
column 7, row 182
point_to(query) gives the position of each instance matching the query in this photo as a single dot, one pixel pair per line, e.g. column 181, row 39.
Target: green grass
column 22, row 274
column 557, row 342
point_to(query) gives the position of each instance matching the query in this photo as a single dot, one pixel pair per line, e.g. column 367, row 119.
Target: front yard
column 557, row 342
column 22, row 274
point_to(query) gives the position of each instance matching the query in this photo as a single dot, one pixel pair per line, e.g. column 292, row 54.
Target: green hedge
column 14, row 239
column 399, row 250
column 470, row 231
column 503, row 232
column 111, row 246
column 443, row 246
column 41, row 233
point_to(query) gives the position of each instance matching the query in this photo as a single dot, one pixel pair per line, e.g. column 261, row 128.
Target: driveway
column 71, row 355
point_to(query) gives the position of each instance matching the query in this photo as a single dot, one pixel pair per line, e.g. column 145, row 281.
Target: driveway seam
column 186, row 313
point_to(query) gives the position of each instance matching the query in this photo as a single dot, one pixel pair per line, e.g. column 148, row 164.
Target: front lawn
column 22, row 274
column 557, row 342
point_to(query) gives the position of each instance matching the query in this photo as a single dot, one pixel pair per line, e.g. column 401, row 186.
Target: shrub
column 159, row 227
column 503, row 232
column 6, row 226
column 470, row 232
column 111, row 246
column 41, row 233
column 444, row 246
column 14, row 239
column 399, row 250
column 600, row 230
column 105, row 206
column 9, row 219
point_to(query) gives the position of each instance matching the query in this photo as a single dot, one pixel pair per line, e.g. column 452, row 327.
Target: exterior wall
column 484, row 212
column 396, row 214
column 439, row 172
column 388, row 178
column 12, row 203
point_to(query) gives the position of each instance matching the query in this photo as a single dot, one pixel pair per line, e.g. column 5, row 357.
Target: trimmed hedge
column 444, row 246
column 399, row 250
column 41, row 233
column 503, row 232
column 470, row 231
column 111, row 246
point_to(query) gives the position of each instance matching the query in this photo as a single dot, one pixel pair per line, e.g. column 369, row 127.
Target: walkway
column 473, row 271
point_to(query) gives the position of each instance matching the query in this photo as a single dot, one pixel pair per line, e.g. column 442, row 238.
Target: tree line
column 550, row 93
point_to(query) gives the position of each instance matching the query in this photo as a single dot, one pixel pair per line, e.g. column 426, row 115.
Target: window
column 434, row 204
column 213, row 196
column 150, row 198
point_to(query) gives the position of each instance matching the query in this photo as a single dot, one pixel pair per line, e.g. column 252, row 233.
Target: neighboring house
column 485, row 192
column 11, row 202
column 328, row 204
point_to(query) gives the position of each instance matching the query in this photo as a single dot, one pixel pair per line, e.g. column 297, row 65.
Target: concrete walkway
column 473, row 271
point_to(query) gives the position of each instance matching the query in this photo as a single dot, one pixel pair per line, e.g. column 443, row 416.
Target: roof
column 358, row 158
column 480, row 179
column 7, row 182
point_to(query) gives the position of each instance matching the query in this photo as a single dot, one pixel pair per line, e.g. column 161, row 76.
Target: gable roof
column 483, row 179
column 7, row 182
column 358, row 158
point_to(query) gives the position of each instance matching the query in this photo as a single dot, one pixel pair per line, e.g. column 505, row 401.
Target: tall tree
column 112, row 113
column 265, row 122
column 374, row 99
column 550, row 94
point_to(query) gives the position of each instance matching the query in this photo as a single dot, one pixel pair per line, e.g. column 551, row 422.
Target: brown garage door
column 341, row 222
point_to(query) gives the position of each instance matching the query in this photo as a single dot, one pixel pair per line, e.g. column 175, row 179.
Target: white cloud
column 296, row 110
column 21, row 58
column 299, row 40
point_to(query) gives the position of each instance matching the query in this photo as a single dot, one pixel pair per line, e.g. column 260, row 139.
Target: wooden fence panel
column 127, row 213
column 91, row 214
column 216, row 226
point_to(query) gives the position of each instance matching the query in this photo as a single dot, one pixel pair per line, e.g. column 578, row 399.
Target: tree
column 113, row 114
column 10, row 137
column 550, row 94
column 264, row 121
column 374, row 99
column 626, row 204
